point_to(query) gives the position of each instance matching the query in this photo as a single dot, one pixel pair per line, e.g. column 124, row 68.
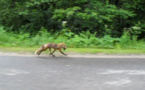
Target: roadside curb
column 77, row 55
column 107, row 56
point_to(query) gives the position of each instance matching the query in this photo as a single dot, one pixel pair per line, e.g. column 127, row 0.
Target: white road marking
column 128, row 72
column 12, row 72
column 121, row 81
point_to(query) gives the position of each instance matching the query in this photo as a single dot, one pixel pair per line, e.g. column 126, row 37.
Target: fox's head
column 63, row 45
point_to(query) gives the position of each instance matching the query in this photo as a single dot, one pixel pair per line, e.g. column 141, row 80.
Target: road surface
column 67, row 73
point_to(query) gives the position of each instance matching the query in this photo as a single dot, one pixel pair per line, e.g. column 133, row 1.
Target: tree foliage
column 106, row 17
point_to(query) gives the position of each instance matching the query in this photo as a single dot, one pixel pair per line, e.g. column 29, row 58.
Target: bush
column 81, row 40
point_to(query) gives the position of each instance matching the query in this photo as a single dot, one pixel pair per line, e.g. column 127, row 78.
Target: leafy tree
column 106, row 17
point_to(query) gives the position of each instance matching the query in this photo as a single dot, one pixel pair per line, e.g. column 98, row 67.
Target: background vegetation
column 78, row 23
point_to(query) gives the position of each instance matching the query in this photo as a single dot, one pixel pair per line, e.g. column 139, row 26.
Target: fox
column 49, row 46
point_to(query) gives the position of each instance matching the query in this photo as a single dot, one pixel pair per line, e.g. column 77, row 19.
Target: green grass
column 107, row 51
column 84, row 42
column 31, row 50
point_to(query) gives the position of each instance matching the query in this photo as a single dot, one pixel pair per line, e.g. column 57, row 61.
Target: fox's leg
column 39, row 52
column 62, row 52
column 41, row 49
column 52, row 53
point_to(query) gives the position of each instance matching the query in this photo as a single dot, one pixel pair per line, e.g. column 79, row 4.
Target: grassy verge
column 75, row 50
column 84, row 42
column 107, row 51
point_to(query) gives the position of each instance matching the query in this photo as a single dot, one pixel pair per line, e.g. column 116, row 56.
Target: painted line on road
column 12, row 72
column 127, row 72
column 119, row 82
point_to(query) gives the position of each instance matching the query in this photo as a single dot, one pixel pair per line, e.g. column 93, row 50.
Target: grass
column 84, row 42
column 31, row 50
column 107, row 51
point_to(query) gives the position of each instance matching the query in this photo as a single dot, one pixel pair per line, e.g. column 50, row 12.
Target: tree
column 102, row 16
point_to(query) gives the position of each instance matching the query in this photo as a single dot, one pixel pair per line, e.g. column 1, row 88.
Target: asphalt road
column 65, row 73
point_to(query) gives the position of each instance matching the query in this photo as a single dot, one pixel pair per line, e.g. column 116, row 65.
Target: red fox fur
column 51, row 45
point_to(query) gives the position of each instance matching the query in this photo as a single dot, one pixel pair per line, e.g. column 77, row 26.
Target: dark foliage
column 106, row 17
